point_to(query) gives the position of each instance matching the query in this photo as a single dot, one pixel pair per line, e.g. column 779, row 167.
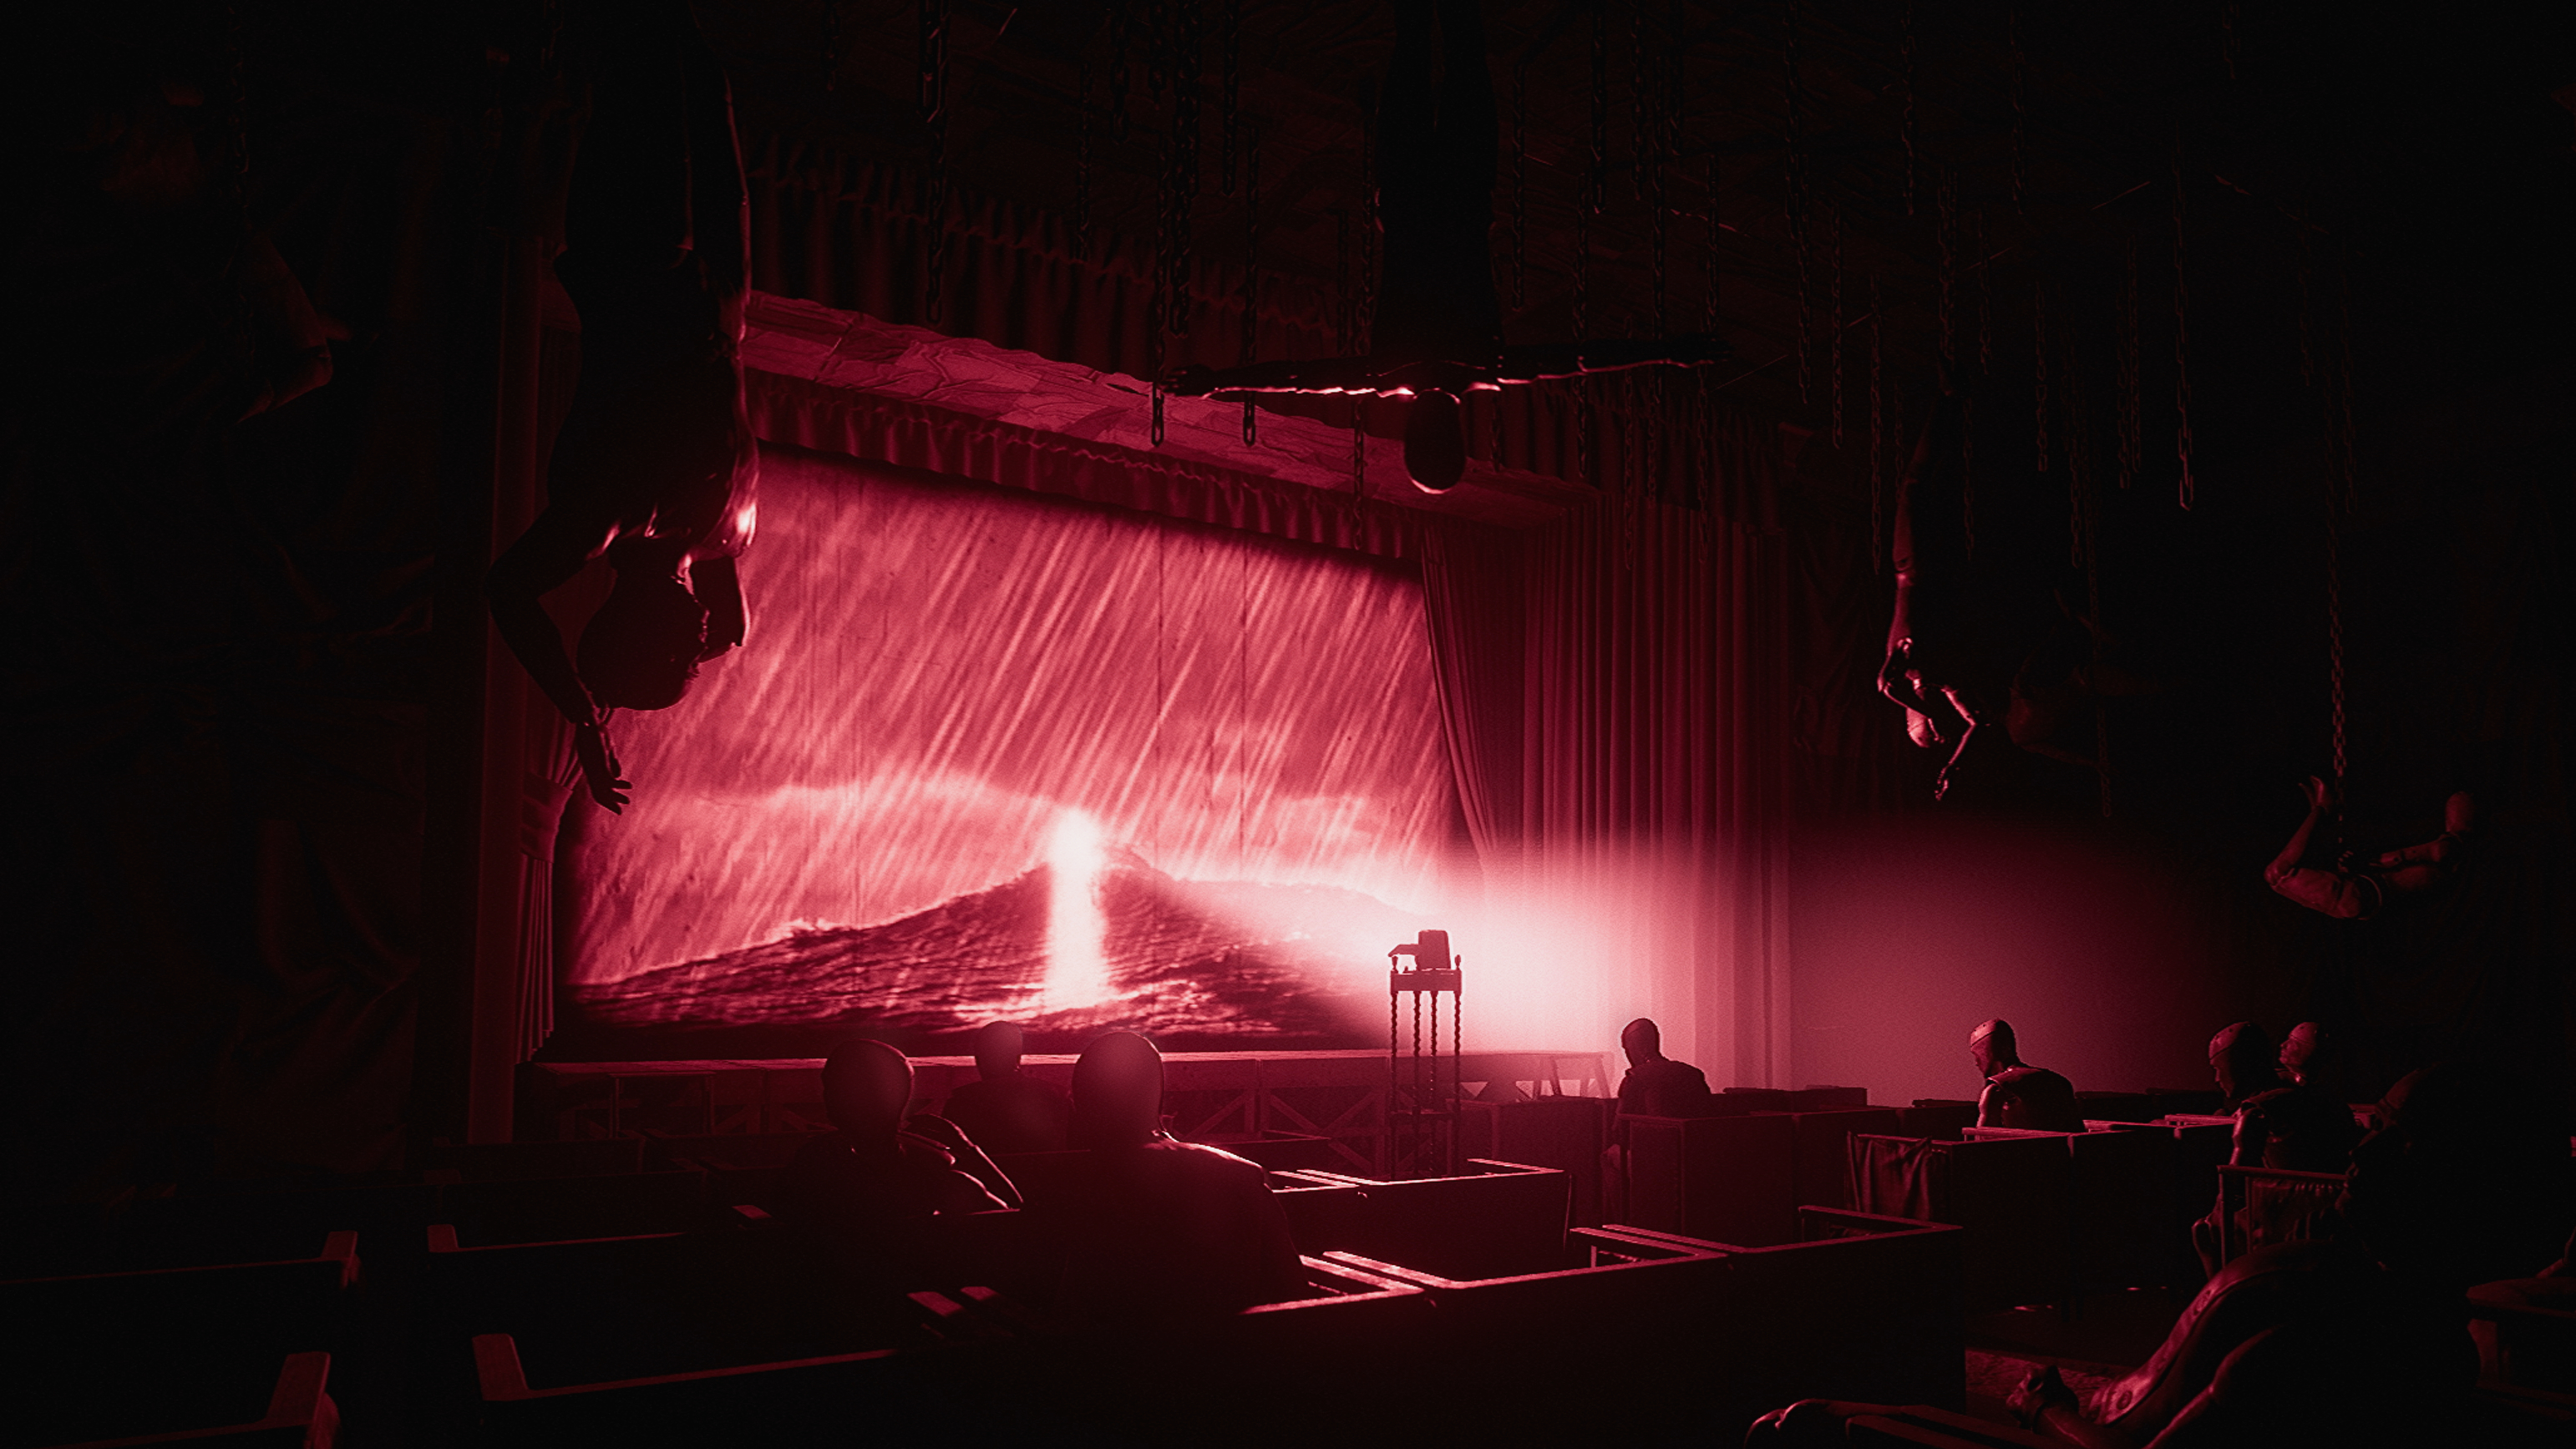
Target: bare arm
column 718, row 584
column 546, row 557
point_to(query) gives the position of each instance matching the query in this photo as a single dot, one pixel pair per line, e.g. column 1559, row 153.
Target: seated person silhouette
column 2304, row 1124
column 864, row 1183
column 1006, row 1109
column 1151, row 1230
column 2242, row 1060
column 2361, row 1340
column 1656, row 1085
column 2033, row 1098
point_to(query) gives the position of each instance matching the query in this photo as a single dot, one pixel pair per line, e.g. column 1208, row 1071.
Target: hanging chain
column 1834, row 339
column 1082, row 162
column 2227, row 36
column 1597, row 183
column 831, row 45
column 1251, row 262
column 1344, row 295
column 1186, row 50
column 1230, row 101
column 1641, row 103
column 1520, row 185
column 1709, row 261
column 2085, row 522
column 1905, row 79
column 2079, row 460
column 1799, row 240
column 2020, row 87
column 2039, row 374
column 2132, row 419
column 2342, row 484
column 1984, row 269
column 1877, row 429
column 1945, row 232
column 2182, row 337
column 2307, row 327
column 1968, row 470
column 1120, row 33
column 933, row 84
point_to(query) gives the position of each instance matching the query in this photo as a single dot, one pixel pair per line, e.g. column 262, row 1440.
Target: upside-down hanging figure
column 655, row 466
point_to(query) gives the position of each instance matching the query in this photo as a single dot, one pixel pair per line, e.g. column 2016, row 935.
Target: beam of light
column 1077, row 972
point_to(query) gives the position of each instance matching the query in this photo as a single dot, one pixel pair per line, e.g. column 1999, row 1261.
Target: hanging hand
column 599, row 765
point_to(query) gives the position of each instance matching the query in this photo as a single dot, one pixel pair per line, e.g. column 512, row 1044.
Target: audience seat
column 534, row 1210
column 1941, row 1117
column 1567, row 1133
column 1500, row 1217
column 2262, row 1207
column 516, row 1161
column 1728, row 1179
column 184, row 1351
column 1820, row 1165
column 2010, row 1192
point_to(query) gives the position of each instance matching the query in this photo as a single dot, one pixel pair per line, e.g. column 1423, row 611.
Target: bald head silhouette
column 2242, row 1059
column 866, row 1085
column 1118, row 1092
column 997, row 1049
column 1642, row 1040
column 1992, row 1046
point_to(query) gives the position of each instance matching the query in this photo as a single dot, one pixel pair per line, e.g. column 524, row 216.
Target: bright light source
column 1077, row 970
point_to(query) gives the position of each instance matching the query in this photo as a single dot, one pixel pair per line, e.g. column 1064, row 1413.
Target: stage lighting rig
column 1422, row 1108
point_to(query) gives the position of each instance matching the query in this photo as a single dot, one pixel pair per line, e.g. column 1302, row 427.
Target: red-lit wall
column 1908, row 934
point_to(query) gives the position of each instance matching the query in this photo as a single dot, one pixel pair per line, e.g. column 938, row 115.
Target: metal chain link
column 2020, row 87
column 1877, row 430
column 1905, row 78
column 1945, row 228
column 2182, row 338
column 933, row 87
column 1251, row 348
column 1799, row 239
column 2131, row 414
column 2039, row 374
column 1834, row 339
column 1968, row 469
column 1984, row 270
column 1520, row 185
column 1710, row 310
column 1082, row 163
column 1230, row 101
column 1120, row 33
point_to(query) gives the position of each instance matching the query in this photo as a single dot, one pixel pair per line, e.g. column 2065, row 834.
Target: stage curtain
column 935, row 440
column 1631, row 821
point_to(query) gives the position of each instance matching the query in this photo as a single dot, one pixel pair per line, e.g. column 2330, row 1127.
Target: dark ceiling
column 2419, row 146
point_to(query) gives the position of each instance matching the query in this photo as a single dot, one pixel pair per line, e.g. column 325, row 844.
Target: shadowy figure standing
column 1153, row 1230
column 1005, row 1109
column 655, row 465
column 2017, row 1095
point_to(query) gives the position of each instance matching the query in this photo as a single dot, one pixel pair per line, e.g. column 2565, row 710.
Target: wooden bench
column 2011, row 1194
column 1728, row 1179
column 1501, row 1217
column 178, row 1351
column 973, row 1365
column 1862, row 1306
column 533, row 1210
column 513, row 1161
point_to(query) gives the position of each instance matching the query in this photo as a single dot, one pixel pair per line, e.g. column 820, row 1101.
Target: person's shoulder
column 1199, row 1157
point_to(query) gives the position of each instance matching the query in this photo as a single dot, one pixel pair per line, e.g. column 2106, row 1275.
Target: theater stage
column 1208, row 1096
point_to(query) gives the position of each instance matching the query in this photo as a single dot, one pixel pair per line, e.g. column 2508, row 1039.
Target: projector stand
column 1422, row 1091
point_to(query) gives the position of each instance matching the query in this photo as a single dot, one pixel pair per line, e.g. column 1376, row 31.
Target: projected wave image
column 988, row 756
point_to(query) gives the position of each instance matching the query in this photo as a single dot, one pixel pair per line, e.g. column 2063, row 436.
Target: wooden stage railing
column 1209, row 1096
